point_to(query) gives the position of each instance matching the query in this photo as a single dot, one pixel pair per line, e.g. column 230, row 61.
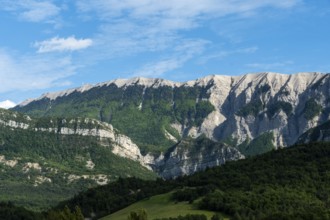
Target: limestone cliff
column 182, row 159
column 318, row 133
column 155, row 114
column 244, row 106
column 190, row 156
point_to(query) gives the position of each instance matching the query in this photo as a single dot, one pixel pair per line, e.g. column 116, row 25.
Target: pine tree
column 78, row 213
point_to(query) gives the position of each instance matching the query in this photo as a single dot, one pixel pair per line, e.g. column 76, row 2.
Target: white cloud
column 177, row 9
column 223, row 54
column 158, row 68
column 57, row 44
column 183, row 53
column 130, row 27
column 7, row 104
column 31, row 72
column 31, row 10
column 270, row 66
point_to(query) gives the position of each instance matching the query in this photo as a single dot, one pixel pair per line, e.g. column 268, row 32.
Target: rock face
column 244, row 108
column 121, row 145
column 190, row 156
column 57, row 157
column 287, row 105
column 319, row 133
column 180, row 160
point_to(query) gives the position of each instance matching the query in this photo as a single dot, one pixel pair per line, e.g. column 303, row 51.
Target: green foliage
column 6, row 115
column 139, row 112
column 194, row 151
column 284, row 184
column 10, row 212
column 117, row 195
column 160, row 206
column 64, row 214
column 186, row 217
column 191, row 194
column 252, row 108
column 217, row 217
column 58, row 156
column 285, row 181
column 277, row 106
column 312, row 109
column 264, row 88
column 318, row 133
column 259, row 145
column 230, row 141
column 203, row 109
column 139, row 215
column 261, row 201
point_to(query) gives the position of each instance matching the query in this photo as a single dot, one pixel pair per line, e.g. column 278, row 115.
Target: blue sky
column 50, row 45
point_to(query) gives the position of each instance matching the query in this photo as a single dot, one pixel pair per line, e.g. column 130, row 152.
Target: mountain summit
column 253, row 113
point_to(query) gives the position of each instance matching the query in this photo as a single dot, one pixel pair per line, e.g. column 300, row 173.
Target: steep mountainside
column 57, row 157
column 290, row 183
column 156, row 113
column 320, row 133
column 44, row 161
column 192, row 155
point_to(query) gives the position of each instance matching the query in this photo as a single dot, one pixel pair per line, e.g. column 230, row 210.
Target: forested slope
column 291, row 183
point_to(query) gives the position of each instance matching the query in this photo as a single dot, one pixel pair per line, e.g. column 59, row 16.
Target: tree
column 217, row 217
column 140, row 215
column 78, row 214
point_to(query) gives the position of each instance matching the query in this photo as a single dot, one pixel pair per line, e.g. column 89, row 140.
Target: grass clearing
column 160, row 206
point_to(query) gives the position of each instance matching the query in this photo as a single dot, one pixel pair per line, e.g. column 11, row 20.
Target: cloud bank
column 163, row 36
column 57, row 44
column 7, row 104
column 33, row 72
column 132, row 27
column 31, row 10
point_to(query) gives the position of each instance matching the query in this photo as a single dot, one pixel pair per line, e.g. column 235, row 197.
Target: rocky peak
column 245, row 107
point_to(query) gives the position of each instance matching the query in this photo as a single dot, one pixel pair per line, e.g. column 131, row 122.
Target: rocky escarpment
column 286, row 105
column 182, row 159
column 57, row 157
column 317, row 134
column 190, row 156
column 248, row 112
column 121, row 144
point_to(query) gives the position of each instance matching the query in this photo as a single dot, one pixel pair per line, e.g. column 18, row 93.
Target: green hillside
column 140, row 112
column 291, row 183
column 286, row 184
column 40, row 168
column 160, row 206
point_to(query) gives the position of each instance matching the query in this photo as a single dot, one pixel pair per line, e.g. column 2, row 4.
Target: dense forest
column 57, row 157
column 291, row 183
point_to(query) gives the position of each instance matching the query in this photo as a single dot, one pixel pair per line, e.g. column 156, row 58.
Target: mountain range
column 234, row 109
column 92, row 135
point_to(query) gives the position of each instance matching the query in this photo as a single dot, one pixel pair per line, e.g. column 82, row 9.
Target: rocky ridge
column 121, row 145
column 229, row 94
column 244, row 107
column 190, row 156
column 319, row 133
column 56, row 158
